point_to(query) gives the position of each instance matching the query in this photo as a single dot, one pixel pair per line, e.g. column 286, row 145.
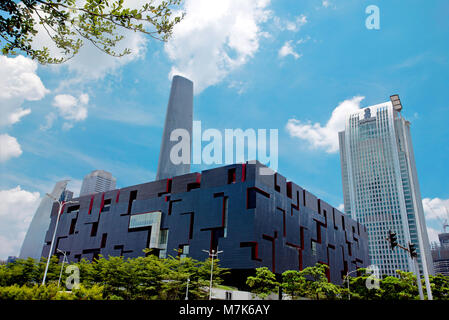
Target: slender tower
column 35, row 237
column 179, row 117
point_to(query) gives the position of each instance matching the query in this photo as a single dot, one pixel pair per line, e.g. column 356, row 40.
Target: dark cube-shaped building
column 255, row 219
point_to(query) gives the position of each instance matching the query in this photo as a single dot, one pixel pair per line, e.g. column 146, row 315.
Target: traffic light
column 412, row 250
column 393, row 238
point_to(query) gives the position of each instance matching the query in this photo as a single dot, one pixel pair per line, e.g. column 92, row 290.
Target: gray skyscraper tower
column 35, row 237
column 179, row 116
column 97, row 181
column 380, row 185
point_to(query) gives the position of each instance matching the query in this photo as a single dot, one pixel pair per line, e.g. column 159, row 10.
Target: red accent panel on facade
column 254, row 249
column 223, row 212
column 318, row 232
column 243, row 172
column 298, row 248
column 289, row 189
column 168, row 187
column 273, row 249
column 102, row 203
column 117, row 197
column 91, row 204
column 62, row 208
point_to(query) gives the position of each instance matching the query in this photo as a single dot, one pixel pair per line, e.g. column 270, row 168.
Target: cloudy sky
column 295, row 66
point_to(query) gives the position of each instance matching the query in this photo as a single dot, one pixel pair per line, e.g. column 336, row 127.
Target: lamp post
column 347, row 275
column 187, row 290
column 62, row 266
column 61, row 205
column 212, row 255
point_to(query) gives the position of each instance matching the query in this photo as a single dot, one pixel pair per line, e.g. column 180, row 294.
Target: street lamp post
column 62, row 266
column 212, row 254
column 347, row 275
column 187, row 290
column 61, row 205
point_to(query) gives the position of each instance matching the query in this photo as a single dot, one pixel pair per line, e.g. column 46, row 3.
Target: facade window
column 184, row 250
column 106, row 205
column 314, row 248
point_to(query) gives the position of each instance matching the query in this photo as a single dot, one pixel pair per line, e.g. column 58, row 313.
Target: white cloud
column 324, row 137
column 215, row 38
column 9, row 147
column 17, row 207
column 287, row 49
column 341, row 207
column 18, row 83
column 436, row 208
column 326, row 3
column 293, row 26
column 49, row 119
column 70, row 108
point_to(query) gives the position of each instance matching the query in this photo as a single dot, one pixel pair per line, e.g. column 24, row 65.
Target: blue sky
column 255, row 64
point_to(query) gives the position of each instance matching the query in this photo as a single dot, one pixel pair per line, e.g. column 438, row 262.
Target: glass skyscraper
column 97, row 181
column 380, row 185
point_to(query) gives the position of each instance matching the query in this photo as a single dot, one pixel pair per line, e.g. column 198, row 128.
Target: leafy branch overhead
column 71, row 22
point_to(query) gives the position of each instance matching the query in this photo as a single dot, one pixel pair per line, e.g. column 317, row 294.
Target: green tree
column 317, row 284
column 69, row 24
column 263, row 283
column 358, row 289
column 440, row 287
column 402, row 288
column 293, row 283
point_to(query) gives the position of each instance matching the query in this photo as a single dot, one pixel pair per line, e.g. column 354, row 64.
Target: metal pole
column 212, row 255
column 347, row 278
column 418, row 278
column 62, row 266
column 426, row 279
column 52, row 242
column 211, row 274
column 61, row 205
column 187, row 290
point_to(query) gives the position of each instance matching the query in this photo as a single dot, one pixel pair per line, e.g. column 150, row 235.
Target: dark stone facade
column 256, row 220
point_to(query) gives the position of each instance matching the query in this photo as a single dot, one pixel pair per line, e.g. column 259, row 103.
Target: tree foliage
column 71, row 22
column 147, row 277
column 263, row 283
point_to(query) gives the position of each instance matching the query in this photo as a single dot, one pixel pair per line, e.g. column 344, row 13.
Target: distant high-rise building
column 97, row 181
column 179, row 115
column 35, row 237
column 380, row 185
column 440, row 255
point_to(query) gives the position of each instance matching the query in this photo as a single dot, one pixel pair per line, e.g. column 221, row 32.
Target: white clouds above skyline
column 436, row 208
column 293, row 26
column 18, row 83
column 69, row 108
column 9, row 147
column 324, row 137
column 215, row 38
column 17, row 207
column 287, row 49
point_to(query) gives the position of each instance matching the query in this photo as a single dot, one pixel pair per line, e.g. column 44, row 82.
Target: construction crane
column 444, row 222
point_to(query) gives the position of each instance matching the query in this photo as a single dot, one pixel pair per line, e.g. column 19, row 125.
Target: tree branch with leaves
column 69, row 23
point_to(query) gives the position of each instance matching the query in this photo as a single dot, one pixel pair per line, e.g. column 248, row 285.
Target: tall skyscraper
column 35, row 237
column 179, row 116
column 380, row 185
column 97, row 181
